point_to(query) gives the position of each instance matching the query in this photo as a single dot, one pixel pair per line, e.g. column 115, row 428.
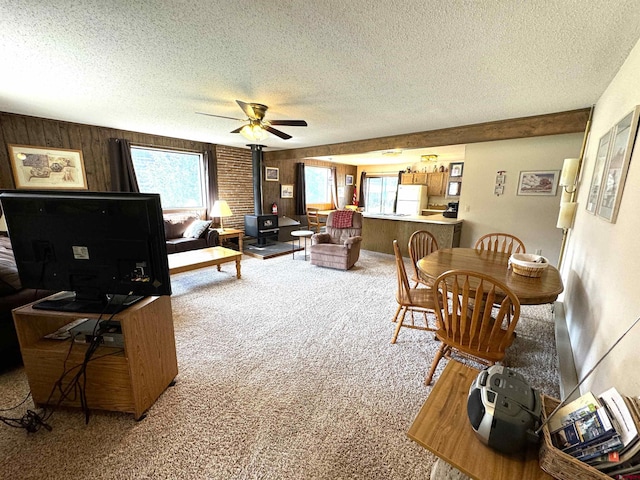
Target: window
column 177, row 176
column 318, row 183
column 380, row 194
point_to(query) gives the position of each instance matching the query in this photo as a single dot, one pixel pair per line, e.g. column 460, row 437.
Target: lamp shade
column 253, row 132
column 221, row 209
column 569, row 171
column 566, row 215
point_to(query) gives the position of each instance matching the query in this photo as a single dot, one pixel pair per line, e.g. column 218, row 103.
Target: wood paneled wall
column 287, row 171
column 235, row 172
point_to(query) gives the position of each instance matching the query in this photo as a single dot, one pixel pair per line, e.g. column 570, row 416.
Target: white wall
column 530, row 218
column 602, row 267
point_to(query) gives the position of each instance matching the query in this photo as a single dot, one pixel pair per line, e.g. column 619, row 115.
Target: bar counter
column 380, row 230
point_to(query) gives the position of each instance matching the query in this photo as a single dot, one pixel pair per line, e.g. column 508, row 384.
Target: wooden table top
column 530, row 291
column 442, row 426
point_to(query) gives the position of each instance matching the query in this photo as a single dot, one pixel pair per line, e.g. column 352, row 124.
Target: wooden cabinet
column 413, row 178
column 128, row 379
column 437, row 184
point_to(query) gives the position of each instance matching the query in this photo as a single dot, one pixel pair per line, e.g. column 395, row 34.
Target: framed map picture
column 47, row 168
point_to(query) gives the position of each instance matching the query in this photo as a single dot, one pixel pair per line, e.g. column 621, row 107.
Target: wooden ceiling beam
column 574, row 121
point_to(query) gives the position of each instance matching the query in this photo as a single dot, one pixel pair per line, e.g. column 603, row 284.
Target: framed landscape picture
column 47, row 168
column 615, row 171
column 598, row 170
column 271, row 174
column 538, row 182
column 349, row 180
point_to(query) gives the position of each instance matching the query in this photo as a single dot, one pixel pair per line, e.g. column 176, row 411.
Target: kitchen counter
column 379, row 230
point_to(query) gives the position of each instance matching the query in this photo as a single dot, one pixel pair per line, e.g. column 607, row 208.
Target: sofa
column 188, row 232
column 339, row 247
column 12, row 295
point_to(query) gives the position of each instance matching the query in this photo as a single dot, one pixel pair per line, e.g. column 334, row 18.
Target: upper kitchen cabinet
column 415, row 178
column 437, row 183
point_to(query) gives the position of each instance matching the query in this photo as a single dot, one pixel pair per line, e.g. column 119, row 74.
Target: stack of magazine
column 601, row 431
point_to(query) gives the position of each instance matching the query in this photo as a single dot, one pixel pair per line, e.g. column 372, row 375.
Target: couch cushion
column 196, row 229
column 183, row 244
column 9, row 279
column 175, row 225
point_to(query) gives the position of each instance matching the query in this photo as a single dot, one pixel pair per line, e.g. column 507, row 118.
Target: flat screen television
column 106, row 249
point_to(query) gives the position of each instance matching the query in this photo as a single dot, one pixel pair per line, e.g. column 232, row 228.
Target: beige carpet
column 287, row 373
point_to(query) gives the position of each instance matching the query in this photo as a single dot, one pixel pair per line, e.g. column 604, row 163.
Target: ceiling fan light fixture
column 253, row 132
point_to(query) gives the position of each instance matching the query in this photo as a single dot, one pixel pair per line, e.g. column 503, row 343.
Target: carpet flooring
column 287, row 373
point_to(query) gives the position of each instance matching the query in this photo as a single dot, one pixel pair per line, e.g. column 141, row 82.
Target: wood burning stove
column 262, row 227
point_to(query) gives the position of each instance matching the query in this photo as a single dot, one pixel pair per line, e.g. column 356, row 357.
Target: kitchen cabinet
column 415, row 178
column 437, row 184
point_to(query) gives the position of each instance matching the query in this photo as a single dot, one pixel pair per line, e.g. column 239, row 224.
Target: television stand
column 69, row 302
column 128, row 379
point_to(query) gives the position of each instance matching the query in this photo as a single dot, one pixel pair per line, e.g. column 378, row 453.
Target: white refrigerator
column 411, row 199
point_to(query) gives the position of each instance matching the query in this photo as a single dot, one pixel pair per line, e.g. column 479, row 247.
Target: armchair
column 339, row 247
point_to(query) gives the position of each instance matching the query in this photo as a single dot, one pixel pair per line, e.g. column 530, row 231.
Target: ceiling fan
column 258, row 127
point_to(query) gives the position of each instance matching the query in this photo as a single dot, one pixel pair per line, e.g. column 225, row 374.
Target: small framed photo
column 538, row 182
column 271, row 174
column 47, row 168
column 454, row 189
column 349, row 180
column 286, row 191
column 455, row 169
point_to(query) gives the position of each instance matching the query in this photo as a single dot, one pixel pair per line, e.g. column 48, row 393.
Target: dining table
column 529, row 290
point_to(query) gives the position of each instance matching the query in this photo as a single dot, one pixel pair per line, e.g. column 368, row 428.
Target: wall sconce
column 569, row 174
column 566, row 215
column 221, row 209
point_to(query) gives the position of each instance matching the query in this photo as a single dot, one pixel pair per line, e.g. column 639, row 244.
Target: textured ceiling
column 353, row 69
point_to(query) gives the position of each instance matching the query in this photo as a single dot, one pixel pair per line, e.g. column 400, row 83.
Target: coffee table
column 203, row 257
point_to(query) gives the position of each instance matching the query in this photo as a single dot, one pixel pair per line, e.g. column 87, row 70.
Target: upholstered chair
column 339, row 247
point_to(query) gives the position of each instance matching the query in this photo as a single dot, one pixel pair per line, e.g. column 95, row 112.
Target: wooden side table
column 442, row 427
column 228, row 233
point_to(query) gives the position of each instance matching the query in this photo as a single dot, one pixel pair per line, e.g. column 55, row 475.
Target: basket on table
column 528, row 264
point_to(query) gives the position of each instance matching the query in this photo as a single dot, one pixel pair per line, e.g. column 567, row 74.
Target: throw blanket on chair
column 342, row 219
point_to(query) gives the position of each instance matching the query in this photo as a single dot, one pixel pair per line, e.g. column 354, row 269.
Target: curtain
column 363, row 180
column 301, row 197
column 210, row 178
column 123, row 176
column 334, row 187
column 395, row 200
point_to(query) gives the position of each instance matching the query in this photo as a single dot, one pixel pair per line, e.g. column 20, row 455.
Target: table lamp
column 221, row 209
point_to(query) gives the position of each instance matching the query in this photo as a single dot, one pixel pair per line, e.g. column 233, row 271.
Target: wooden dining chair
column 476, row 317
column 412, row 300
column 421, row 244
column 314, row 222
column 500, row 242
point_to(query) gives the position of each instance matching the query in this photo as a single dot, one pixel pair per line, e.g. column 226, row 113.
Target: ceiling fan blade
column 247, row 109
column 219, row 116
column 237, row 130
column 278, row 133
column 291, row 123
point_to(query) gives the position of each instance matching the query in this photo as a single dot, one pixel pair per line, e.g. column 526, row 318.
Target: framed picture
column 286, row 191
column 454, row 189
column 539, row 182
column 598, row 170
column 47, row 168
column 349, row 180
column 615, row 171
column 271, row 174
column 455, row 169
